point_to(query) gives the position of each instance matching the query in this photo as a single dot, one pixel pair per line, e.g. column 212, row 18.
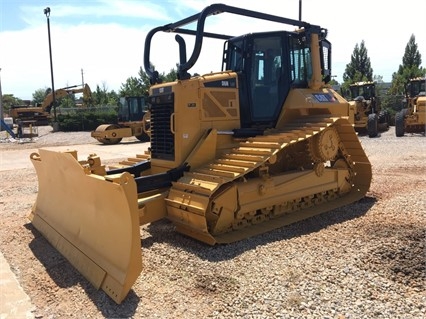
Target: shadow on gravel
column 66, row 276
column 400, row 257
column 163, row 231
column 365, row 135
column 130, row 142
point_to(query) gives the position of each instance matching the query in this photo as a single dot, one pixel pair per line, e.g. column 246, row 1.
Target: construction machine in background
column 66, row 91
column 130, row 123
column 368, row 117
column 412, row 117
column 27, row 112
column 40, row 115
column 260, row 144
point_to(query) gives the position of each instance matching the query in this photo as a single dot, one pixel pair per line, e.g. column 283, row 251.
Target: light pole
column 55, row 123
column 1, row 103
column 300, row 10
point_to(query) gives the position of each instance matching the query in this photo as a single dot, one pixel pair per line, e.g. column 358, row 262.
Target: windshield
column 415, row 87
column 366, row 91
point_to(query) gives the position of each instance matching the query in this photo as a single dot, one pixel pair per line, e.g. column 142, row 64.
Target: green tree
column 136, row 86
column 410, row 68
column 132, row 87
column 101, row 96
column 359, row 69
column 113, row 98
column 8, row 101
column 39, row 95
column 140, row 86
column 67, row 101
column 333, row 82
column 171, row 76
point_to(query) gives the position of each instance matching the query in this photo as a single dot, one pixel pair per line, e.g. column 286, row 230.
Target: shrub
column 86, row 119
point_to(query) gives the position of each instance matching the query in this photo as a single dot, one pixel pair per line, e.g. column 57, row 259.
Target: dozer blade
column 91, row 220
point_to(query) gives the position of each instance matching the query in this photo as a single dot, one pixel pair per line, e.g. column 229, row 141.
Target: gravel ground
column 364, row 260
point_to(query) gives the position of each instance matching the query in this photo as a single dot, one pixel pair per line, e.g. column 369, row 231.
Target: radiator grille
column 162, row 139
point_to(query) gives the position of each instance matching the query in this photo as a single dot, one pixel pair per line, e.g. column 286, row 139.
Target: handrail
column 199, row 33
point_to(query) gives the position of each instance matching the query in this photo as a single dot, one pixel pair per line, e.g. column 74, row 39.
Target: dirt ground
column 386, row 232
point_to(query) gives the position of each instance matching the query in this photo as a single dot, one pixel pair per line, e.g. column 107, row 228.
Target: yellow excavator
column 66, row 91
column 263, row 143
column 41, row 114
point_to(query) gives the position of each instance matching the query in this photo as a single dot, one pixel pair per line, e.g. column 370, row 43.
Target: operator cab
column 367, row 91
column 131, row 108
column 416, row 88
column 268, row 65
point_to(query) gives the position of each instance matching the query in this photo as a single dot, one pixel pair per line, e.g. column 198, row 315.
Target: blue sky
column 105, row 38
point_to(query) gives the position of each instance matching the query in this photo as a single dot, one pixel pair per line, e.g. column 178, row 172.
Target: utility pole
column 55, row 123
column 82, row 78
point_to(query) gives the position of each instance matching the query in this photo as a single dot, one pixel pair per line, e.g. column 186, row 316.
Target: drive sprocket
column 324, row 146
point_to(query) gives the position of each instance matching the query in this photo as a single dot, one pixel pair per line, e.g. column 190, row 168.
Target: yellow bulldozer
column 412, row 117
column 40, row 114
column 260, row 144
column 131, row 122
column 369, row 118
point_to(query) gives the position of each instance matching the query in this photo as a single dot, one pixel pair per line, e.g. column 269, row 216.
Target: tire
column 383, row 121
column 381, row 118
column 399, row 123
column 388, row 118
column 143, row 137
column 372, row 125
